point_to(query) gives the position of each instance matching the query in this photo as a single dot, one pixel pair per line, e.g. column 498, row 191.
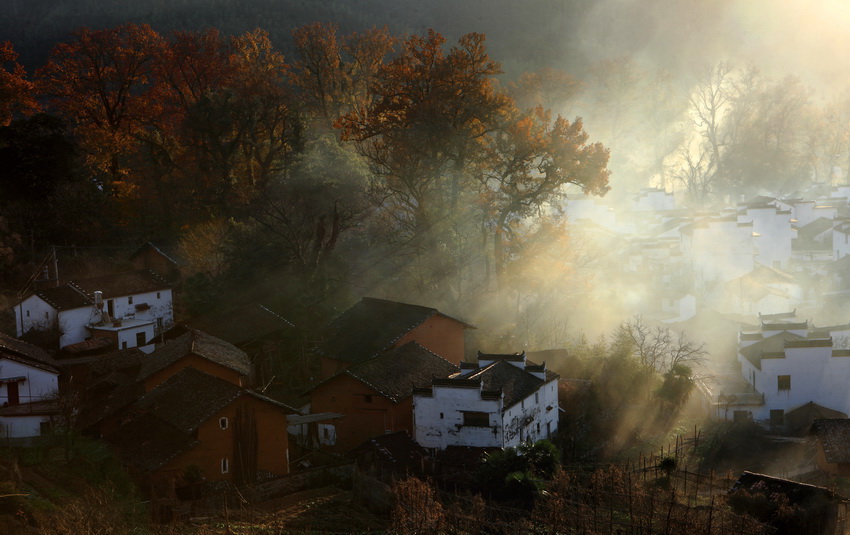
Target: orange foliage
column 102, row 83
column 16, row 93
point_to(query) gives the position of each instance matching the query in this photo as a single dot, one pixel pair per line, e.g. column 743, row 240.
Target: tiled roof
column 515, row 383
column 123, row 359
column 197, row 343
column 373, row 326
column 808, row 342
column 510, row 357
column 771, row 344
column 149, row 443
column 801, row 418
column 64, row 298
column 396, row 372
column 806, row 235
column 191, row 397
column 242, row 324
column 834, row 436
column 20, row 351
column 796, row 326
column 121, row 284
column 771, row 487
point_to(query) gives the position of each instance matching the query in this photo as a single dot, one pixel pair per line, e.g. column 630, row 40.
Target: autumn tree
column 101, row 83
column 530, row 162
column 17, row 94
column 335, row 73
column 425, row 127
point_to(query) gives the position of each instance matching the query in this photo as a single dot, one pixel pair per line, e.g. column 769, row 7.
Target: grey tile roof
column 25, row 353
column 395, row 373
column 771, row 344
column 64, row 298
column 149, row 443
column 373, row 326
column 515, row 383
column 800, row 494
column 196, row 343
column 120, row 284
column 188, row 399
column 834, row 436
column 191, row 397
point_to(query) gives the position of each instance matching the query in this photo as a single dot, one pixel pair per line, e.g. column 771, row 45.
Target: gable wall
column 272, row 445
column 199, row 363
column 440, row 335
column 33, row 313
column 160, row 307
column 363, row 419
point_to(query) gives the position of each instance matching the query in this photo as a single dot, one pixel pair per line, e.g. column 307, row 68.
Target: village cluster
column 200, row 400
column 195, row 400
column 776, row 270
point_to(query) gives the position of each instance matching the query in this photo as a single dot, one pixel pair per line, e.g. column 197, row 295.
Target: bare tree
column 658, row 347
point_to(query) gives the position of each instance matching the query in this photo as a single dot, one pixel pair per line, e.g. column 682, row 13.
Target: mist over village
column 424, row 268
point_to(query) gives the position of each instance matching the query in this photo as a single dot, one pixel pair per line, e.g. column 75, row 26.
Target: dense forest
column 318, row 162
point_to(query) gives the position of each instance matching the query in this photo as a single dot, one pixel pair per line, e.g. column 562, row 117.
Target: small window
column 130, row 300
column 327, row 433
column 225, row 466
column 476, row 419
column 46, row 316
column 28, row 313
column 222, row 422
column 783, row 382
column 157, row 295
column 441, row 416
column 536, row 398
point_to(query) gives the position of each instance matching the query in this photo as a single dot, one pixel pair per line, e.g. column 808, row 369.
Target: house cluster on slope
column 763, row 255
column 790, row 372
column 184, row 402
column 750, row 264
column 392, row 367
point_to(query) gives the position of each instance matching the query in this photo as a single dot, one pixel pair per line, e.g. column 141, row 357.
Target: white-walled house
column 717, row 250
column 772, row 233
column 653, row 200
column 790, row 365
column 130, row 308
column 499, row 402
column 28, row 378
column 841, row 238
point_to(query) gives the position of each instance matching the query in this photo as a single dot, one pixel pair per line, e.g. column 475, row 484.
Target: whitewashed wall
column 816, row 375
column 773, row 245
column 40, row 384
column 438, row 419
column 33, row 313
column 21, row 426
